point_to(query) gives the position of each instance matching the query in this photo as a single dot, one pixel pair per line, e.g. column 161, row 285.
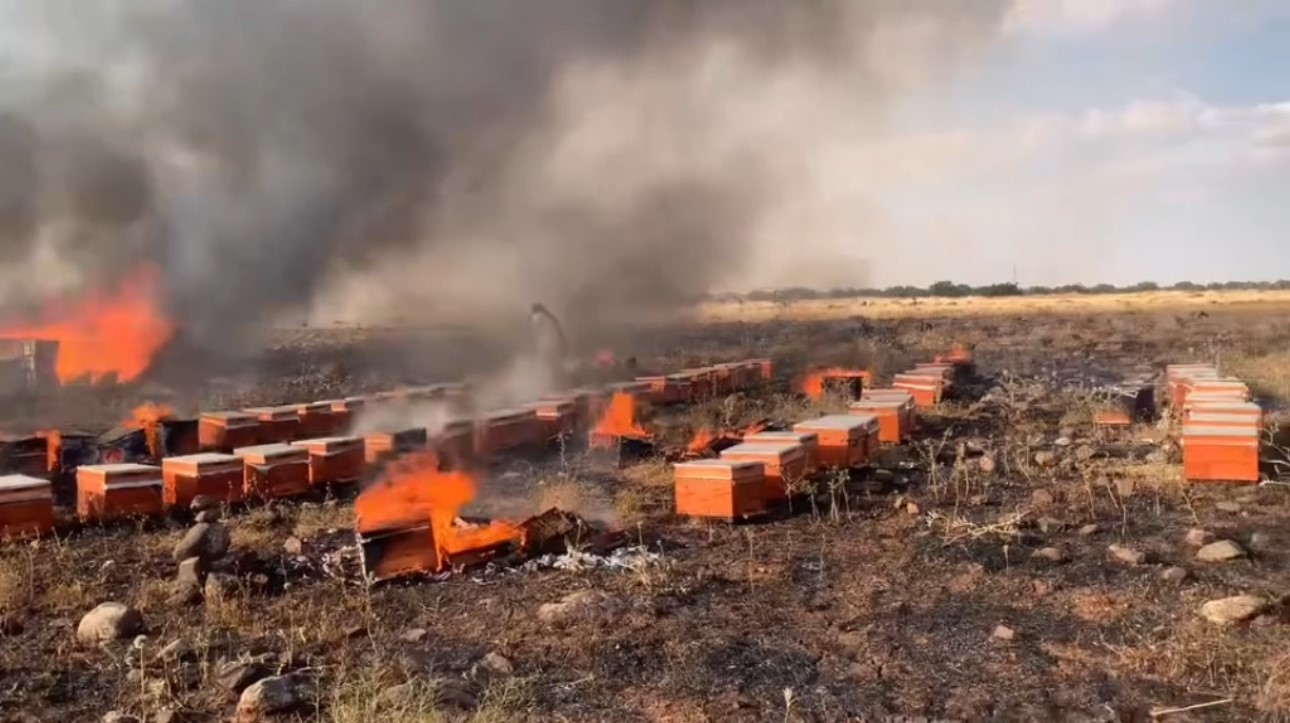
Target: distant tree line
column 949, row 289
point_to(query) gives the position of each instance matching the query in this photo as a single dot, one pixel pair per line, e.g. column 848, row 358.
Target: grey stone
column 1054, row 555
column 109, row 621
column 497, row 664
column 1174, row 574
column 192, row 571
column 1220, row 551
column 1127, row 555
column 238, row 675
column 1199, row 537
column 1089, row 530
column 1261, row 542
column 201, row 503
column 294, row 546
column 1045, row 458
column 208, row 516
column 272, row 696
column 1004, row 634
column 207, row 540
column 1226, row 611
column 1229, row 507
column 585, row 605
column 1041, row 499
column 220, row 586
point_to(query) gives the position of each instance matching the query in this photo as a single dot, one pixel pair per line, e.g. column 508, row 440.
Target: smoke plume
column 446, row 159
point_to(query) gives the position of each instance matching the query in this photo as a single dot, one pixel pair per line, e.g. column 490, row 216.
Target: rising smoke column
column 603, row 156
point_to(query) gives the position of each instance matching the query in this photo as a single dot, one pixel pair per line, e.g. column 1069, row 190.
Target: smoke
column 452, row 160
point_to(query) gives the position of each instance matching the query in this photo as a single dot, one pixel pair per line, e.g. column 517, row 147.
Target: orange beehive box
column 275, row 471
column 278, row 425
column 703, row 383
column 725, row 380
column 558, row 416
column 114, row 491
column 720, row 488
column 380, row 446
column 455, row 444
column 26, row 506
column 213, row 474
column 892, row 415
column 334, row 460
column 1230, row 387
column 666, row 389
column 388, row 554
column 925, row 388
column 586, row 404
column 1248, row 410
column 784, row 464
column 747, row 374
column 941, row 369
column 1220, row 454
column 765, row 369
column 887, row 394
column 349, row 405
column 318, row 419
column 1200, row 418
column 505, row 430
column 810, row 442
column 844, row 439
column 227, row 430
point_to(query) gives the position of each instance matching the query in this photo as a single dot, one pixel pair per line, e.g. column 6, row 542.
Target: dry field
column 938, row 585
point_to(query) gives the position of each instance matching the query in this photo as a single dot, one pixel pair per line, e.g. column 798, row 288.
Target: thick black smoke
column 260, row 149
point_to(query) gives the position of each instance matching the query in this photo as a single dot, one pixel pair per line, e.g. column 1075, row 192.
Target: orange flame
column 701, row 442
column 414, row 491
column 959, row 354
column 118, row 332
column 813, row 384
column 618, row 422
column 148, row 417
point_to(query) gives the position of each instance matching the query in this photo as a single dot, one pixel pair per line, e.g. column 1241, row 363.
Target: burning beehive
column 278, row 425
column 959, row 356
column 844, row 439
column 275, row 470
column 846, row 383
column 619, row 423
column 705, row 441
column 664, row 390
column 784, row 465
column 25, row 455
column 65, row 451
column 117, row 491
column 381, row 446
column 507, row 430
column 1220, row 454
column 455, row 444
column 26, row 506
column 334, row 460
column 702, row 382
column 213, row 474
column 558, row 416
column 720, row 488
column 223, row 431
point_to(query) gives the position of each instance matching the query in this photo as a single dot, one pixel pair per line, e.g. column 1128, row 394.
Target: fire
column 415, row 492
column 618, row 422
column 705, row 441
column 959, row 354
column 104, row 333
column 148, row 417
column 701, row 442
column 813, row 385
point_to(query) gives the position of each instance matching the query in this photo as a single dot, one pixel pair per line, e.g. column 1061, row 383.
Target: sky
column 1097, row 141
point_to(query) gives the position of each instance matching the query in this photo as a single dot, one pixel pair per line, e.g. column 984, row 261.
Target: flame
column 701, row 442
column 813, row 384
column 706, row 441
column 415, row 491
column 959, row 354
column 618, row 422
column 148, row 417
column 104, row 333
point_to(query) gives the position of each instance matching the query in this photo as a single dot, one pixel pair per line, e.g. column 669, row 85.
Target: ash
column 634, row 558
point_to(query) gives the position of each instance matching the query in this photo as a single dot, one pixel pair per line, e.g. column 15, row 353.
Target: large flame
column 618, row 422
column 104, row 333
column 813, row 385
column 415, row 491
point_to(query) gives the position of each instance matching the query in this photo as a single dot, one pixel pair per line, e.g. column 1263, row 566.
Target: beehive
column 1247, row 410
column 334, row 460
column 116, row 491
column 784, row 465
column 665, row 390
column 925, row 388
column 558, row 416
column 26, row 506
column 505, row 430
column 455, row 444
column 349, row 405
column 887, row 394
column 943, row 370
column 278, row 425
column 213, row 474
column 702, row 383
column 275, row 471
column 892, row 414
column 844, row 439
column 765, row 369
column 1233, row 388
column 1204, row 418
column 318, row 419
column 810, row 442
column 720, row 488
column 227, row 430
column 389, row 554
column 1220, row 454
column 1177, row 376
column 28, row 455
column 380, row 446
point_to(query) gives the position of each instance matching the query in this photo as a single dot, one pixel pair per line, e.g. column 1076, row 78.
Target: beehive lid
column 21, row 482
column 1207, row 417
column 867, row 404
column 273, row 413
column 1190, row 430
column 419, row 432
column 1231, row 396
column 652, row 379
column 837, row 421
column 325, row 444
column 124, row 468
column 244, row 416
column 270, row 452
column 720, row 469
column 914, row 379
column 778, row 448
column 1219, row 382
column 805, row 438
column 313, row 407
column 1223, row 405
column 204, row 461
column 514, row 414
column 628, row 387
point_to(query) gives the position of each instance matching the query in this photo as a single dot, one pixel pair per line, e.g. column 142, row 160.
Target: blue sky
column 1104, row 140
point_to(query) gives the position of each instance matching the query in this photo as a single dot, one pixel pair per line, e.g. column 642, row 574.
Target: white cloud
column 1077, row 15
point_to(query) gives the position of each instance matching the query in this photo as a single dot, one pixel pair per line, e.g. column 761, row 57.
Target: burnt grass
column 879, row 598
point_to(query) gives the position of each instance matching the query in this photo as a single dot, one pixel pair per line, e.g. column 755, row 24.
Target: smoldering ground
column 446, row 160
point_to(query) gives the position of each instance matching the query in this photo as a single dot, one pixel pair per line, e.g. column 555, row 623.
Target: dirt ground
column 911, row 590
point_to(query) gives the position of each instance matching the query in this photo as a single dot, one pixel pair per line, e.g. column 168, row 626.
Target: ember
column 104, row 335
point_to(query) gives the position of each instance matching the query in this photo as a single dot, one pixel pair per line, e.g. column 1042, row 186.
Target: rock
column 911, row 508
column 588, row 605
column 1084, row 453
column 209, row 516
column 206, row 540
column 397, row 697
column 1261, row 542
column 1041, row 499
column 1199, row 537
column 1003, row 634
column 1055, row 555
column 1124, row 486
column 415, row 635
column 454, row 694
column 1127, row 555
column 109, row 621
column 1220, row 551
column 220, row 586
column 1233, row 609
column 236, row 676
column 272, row 696
column 1050, row 525
column 119, row 717
column 294, row 546
column 987, row 464
column 1230, row 507
column 1062, row 442
column 1045, row 458
column 1089, row 530
column 1156, row 457
column 498, row 664
column 1174, row 574
column 201, row 503
column 176, row 650
column 192, row 571
column 185, row 594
